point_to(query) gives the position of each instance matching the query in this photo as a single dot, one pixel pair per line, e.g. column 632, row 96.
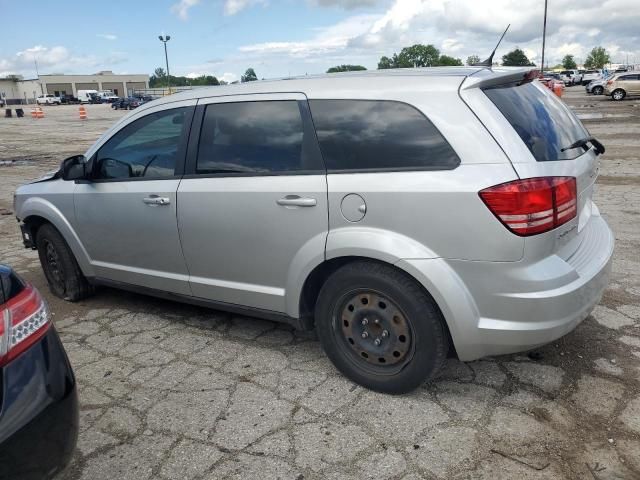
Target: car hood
column 53, row 174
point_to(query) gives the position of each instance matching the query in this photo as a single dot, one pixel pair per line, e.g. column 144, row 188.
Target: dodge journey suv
column 404, row 214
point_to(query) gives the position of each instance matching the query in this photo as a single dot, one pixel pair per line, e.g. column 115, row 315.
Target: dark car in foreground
column 128, row 103
column 38, row 396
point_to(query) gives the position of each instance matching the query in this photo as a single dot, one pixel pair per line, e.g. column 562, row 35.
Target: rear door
column 252, row 207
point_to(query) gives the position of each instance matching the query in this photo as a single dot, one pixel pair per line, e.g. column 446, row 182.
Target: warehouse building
column 16, row 90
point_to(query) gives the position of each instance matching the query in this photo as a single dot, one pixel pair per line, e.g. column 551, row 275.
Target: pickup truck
column 589, row 75
column 48, row 99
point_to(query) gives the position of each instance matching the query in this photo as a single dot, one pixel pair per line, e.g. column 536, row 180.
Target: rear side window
column 543, row 122
column 255, row 138
column 378, row 135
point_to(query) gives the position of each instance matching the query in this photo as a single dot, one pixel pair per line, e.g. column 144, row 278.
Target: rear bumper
column 495, row 308
column 38, row 413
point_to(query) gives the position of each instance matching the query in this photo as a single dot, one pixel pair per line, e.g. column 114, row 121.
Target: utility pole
column 544, row 34
column 164, row 39
column 35, row 60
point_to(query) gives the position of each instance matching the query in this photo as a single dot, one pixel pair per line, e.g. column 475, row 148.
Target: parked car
column 553, row 82
column 38, row 398
column 48, row 99
column 569, row 77
column 88, row 96
column 69, row 100
column 590, row 75
column 596, row 87
column 622, row 85
column 107, row 96
column 128, row 103
column 349, row 202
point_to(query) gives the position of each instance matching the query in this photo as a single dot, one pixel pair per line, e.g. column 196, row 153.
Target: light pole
column 164, row 39
column 544, row 34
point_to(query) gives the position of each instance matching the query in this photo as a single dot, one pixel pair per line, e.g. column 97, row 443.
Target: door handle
column 156, row 200
column 296, row 201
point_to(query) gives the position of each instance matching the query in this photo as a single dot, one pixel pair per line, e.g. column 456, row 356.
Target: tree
column 418, row 56
column 568, row 62
column 447, row 61
column 249, row 76
column 473, row 59
column 159, row 72
column 516, row 58
column 384, row 63
column 597, row 58
column 159, row 80
column 346, row 68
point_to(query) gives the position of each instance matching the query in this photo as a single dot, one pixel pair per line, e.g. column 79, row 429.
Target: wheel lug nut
column 376, row 342
column 376, row 321
column 365, row 334
column 365, row 321
column 385, row 334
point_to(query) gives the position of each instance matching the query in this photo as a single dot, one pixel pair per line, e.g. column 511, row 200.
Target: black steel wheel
column 380, row 328
column 63, row 273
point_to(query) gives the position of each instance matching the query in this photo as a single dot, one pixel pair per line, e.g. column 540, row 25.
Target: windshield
column 543, row 122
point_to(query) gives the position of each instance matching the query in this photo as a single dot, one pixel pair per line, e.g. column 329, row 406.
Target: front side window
column 147, row 147
column 253, row 137
column 378, row 135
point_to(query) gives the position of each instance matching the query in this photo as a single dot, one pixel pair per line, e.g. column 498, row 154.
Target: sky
column 288, row 37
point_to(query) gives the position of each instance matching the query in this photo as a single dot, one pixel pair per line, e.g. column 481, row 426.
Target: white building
column 16, row 90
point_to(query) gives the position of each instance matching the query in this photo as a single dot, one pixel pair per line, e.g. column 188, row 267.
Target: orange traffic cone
column 39, row 113
column 83, row 112
column 558, row 89
column 34, row 113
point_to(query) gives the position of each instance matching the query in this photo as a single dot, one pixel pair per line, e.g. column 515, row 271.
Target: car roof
column 446, row 78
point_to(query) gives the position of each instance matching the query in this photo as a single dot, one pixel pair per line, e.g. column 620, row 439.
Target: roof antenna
column 489, row 61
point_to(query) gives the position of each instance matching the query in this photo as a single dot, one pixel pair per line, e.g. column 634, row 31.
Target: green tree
column 384, row 63
column 346, row 68
column 597, row 58
column 418, row 56
column 249, row 76
column 568, row 62
column 159, row 72
column 473, row 59
column 516, row 58
column 447, row 61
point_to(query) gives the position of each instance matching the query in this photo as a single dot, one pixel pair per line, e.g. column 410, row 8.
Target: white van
column 85, row 95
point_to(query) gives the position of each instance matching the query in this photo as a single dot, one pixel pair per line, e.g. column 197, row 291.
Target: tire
column 63, row 274
column 597, row 90
column 618, row 94
column 392, row 309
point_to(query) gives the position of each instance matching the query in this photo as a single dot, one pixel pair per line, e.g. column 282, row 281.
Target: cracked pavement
column 172, row 391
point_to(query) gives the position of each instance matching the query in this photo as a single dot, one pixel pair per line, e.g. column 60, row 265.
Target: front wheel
column 63, row 274
column 618, row 94
column 597, row 90
column 380, row 328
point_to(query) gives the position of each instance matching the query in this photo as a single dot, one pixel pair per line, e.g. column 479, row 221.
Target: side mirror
column 74, row 168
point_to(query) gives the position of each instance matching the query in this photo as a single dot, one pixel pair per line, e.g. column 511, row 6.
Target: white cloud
column 107, row 36
column 182, row 8
column 228, row 77
column 346, row 4
column 231, row 7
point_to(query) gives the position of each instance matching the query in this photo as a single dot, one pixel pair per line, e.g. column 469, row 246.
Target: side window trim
column 180, row 155
column 310, row 143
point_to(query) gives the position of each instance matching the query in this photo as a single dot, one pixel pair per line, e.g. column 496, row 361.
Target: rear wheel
column 380, row 328
column 618, row 94
column 60, row 267
column 597, row 90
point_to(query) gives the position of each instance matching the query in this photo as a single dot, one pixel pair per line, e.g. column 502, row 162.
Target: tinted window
column 543, row 122
column 253, row 137
column 147, row 147
column 628, row 77
column 370, row 134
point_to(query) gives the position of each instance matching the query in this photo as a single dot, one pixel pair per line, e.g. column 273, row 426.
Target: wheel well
column 321, row 273
column 33, row 223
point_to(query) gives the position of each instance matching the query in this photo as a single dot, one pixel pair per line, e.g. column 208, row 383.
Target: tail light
column 23, row 320
column 533, row 205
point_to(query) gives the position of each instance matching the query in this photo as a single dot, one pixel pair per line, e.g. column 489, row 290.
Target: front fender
column 40, row 207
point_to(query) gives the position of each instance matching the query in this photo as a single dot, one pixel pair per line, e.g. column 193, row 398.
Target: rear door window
column 261, row 137
column 543, row 122
column 379, row 135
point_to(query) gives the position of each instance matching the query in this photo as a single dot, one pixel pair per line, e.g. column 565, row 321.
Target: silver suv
column 405, row 214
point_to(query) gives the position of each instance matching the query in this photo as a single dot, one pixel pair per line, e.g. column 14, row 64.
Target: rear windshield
column 543, row 122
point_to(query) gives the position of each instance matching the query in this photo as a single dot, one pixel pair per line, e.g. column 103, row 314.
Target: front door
column 126, row 215
column 252, row 207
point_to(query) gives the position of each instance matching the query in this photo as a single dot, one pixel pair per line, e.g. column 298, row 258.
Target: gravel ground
column 171, row 391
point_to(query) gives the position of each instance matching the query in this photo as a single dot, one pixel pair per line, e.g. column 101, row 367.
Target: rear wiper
column 582, row 143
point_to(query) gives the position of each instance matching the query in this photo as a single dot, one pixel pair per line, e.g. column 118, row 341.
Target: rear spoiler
column 492, row 77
